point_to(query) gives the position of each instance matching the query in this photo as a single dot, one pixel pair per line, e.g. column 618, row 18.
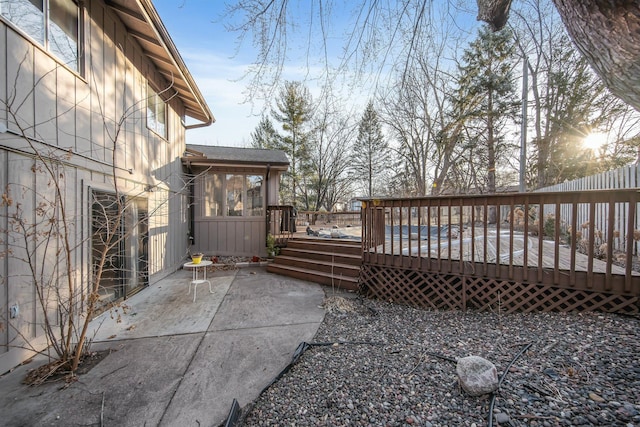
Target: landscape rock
column 402, row 356
column 477, row 375
column 502, row 418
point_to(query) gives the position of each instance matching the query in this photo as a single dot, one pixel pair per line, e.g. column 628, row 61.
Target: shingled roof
column 207, row 154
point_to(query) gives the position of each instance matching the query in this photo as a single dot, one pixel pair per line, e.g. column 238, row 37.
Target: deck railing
column 543, row 239
column 281, row 223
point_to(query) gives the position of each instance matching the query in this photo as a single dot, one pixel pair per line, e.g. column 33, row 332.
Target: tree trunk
column 494, row 12
column 606, row 32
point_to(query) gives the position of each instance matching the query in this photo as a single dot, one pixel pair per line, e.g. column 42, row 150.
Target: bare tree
column 329, row 146
column 382, row 37
column 604, row 31
column 418, row 113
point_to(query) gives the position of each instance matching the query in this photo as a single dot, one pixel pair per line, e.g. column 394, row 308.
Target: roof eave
column 206, row 162
column 167, row 59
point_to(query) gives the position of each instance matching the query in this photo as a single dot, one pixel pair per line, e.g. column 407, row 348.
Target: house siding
column 65, row 112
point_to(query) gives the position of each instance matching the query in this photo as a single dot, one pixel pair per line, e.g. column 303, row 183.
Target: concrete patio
column 174, row 361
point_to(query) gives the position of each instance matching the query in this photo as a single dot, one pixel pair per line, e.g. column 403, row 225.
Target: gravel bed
column 582, row 369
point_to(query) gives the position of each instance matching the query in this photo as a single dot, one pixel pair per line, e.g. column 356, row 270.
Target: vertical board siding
column 621, row 178
column 3, row 72
column 44, row 94
column 4, row 261
column 79, row 116
column 20, row 62
column 230, row 236
column 96, row 82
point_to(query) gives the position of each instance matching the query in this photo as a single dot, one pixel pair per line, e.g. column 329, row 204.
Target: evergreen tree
column 485, row 100
column 293, row 111
column 265, row 135
column 370, row 159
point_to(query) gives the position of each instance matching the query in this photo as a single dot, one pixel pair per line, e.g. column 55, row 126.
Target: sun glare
column 594, row 141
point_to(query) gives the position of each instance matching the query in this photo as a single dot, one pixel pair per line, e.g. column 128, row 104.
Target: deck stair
column 330, row 262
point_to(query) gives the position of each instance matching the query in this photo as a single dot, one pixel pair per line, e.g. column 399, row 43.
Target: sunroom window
column 55, row 24
column 233, row 194
column 156, row 113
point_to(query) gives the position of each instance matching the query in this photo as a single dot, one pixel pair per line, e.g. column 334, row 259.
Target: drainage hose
column 504, row 374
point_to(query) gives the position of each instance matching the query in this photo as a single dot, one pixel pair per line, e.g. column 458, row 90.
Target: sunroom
column 231, row 191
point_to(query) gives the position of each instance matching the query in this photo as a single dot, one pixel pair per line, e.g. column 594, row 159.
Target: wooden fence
column 339, row 219
column 545, row 253
column 627, row 177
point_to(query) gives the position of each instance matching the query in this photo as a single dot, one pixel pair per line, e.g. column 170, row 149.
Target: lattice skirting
column 440, row 291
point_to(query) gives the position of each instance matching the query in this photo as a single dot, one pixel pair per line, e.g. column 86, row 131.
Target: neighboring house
column 100, row 86
column 233, row 188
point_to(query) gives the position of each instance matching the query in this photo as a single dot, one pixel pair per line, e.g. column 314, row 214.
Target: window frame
column 223, row 177
column 44, row 39
column 153, row 94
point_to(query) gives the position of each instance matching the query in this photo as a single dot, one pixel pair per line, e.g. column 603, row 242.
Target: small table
column 194, row 279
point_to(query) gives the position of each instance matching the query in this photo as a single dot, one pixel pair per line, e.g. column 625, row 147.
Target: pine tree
column 486, row 98
column 294, row 108
column 370, row 157
column 265, row 135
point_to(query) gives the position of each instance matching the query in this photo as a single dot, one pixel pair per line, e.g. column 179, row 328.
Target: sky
column 209, row 52
column 218, row 63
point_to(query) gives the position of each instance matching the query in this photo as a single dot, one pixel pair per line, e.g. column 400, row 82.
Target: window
column 254, row 195
column 55, row 24
column 156, row 113
column 227, row 195
column 213, row 194
column 235, row 191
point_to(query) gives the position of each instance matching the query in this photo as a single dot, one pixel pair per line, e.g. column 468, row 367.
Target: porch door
column 122, row 238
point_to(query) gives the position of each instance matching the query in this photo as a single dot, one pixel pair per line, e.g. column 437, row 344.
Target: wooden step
column 326, row 245
column 328, row 262
column 324, row 256
column 314, row 264
column 343, row 282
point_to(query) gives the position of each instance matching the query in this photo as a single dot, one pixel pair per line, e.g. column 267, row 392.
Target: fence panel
column 626, row 177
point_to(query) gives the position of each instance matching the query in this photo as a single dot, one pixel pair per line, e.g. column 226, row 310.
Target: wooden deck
column 413, row 251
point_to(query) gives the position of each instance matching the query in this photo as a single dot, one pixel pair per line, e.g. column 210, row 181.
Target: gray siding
column 68, row 113
column 238, row 236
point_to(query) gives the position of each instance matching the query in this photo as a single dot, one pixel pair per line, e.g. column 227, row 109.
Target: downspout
column 191, row 205
column 266, row 196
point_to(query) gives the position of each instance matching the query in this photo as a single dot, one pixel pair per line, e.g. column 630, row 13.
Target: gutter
column 200, row 125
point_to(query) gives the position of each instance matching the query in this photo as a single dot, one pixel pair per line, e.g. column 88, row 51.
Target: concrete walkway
column 174, row 362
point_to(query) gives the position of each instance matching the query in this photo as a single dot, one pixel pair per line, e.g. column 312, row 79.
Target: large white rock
column 477, row 375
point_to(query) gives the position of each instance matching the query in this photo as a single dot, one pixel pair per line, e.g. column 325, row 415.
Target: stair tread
column 315, row 252
column 332, row 242
column 327, row 240
column 311, row 272
column 329, row 249
column 316, row 261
